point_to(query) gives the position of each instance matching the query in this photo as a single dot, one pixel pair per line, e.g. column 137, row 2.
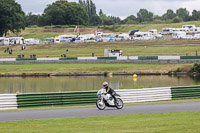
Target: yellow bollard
column 135, row 76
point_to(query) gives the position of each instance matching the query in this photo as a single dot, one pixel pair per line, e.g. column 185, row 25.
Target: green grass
column 146, row 27
column 187, row 122
column 87, row 68
column 41, row 32
column 130, row 48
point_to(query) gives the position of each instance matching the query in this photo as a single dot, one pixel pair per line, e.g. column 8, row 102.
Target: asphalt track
column 93, row 111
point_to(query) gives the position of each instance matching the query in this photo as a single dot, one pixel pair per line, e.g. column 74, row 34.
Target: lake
column 63, row 84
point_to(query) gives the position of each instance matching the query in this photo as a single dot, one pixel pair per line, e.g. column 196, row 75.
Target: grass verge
column 88, row 68
column 130, row 48
column 186, row 122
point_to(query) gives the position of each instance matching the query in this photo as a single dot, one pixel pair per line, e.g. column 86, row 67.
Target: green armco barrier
column 25, row 59
column 189, row 57
column 148, row 58
column 56, row 99
column 185, row 92
column 69, row 58
column 107, row 58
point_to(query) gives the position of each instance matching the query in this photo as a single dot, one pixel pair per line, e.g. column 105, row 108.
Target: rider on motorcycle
column 110, row 91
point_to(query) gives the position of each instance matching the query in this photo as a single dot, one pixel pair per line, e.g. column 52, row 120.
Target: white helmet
column 105, row 84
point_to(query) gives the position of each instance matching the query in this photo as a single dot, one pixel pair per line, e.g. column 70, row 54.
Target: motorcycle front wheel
column 119, row 103
column 100, row 105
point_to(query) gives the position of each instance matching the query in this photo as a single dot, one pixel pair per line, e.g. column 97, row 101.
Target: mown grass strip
column 186, row 122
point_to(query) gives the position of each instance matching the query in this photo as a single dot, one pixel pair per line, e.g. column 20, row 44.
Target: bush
column 196, row 68
column 177, row 20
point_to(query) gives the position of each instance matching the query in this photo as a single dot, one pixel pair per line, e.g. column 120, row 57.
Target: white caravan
column 32, row 41
column 83, row 38
column 167, row 31
column 197, row 36
column 154, row 32
column 66, row 38
column 16, row 40
column 123, row 37
column 181, row 35
column 4, row 41
column 189, row 26
column 143, row 36
column 192, row 29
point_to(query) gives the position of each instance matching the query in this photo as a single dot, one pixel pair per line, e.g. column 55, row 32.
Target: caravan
column 167, row 31
column 123, row 37
column 67, row 38
column 32, row 41
column 4, row 41
column 181, row 35
column 16, row 40
column 143, row 36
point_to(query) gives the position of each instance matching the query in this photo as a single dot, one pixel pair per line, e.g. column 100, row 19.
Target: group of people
column 8, row 50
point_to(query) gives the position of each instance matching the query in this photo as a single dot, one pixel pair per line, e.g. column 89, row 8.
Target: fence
column 8, row 101
column 13, row 101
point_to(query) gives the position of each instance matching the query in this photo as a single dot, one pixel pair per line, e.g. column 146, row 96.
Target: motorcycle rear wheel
column 99, row 106
column 119, row 103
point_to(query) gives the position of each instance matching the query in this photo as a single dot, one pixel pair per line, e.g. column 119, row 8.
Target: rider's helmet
column 105, row 84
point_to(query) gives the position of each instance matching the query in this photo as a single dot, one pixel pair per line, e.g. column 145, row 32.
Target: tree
column 177, row 20
column 130, row 20
column 64, row 13
column 90, row 8
column 12, row 18
column 144, row 15
column 183, row 13
column 169, row 15
column 195, row 15
column 31, row 19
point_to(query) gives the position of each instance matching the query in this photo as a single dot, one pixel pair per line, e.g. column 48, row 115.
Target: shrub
column 195, row 68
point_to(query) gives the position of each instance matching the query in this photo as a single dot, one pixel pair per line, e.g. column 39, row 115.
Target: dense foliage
column 64, row 13
column 196, row 68
column 12, row 18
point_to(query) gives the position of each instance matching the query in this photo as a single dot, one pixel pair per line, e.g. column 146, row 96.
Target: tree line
column 62, row 12
column 86, row 14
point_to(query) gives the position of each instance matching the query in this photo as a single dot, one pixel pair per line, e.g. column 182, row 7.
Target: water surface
column 63, row 84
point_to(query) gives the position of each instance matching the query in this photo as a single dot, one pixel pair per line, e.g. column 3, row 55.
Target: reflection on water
column 63, row 84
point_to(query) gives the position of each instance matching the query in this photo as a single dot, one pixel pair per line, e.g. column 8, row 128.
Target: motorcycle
column 105, row 99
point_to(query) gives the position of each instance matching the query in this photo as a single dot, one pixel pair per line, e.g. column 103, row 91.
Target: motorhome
column 4, row 41
column 143, row 36
column 123, row 37
column 16, row 40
